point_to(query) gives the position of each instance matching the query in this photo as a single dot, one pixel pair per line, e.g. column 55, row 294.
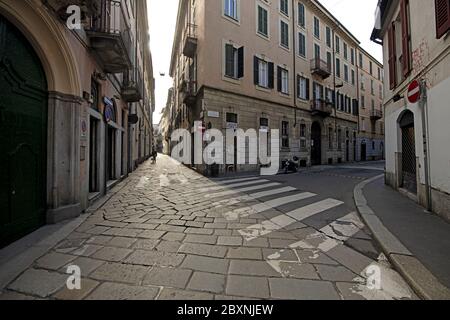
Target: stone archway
column 23, row 135
column 46, row 35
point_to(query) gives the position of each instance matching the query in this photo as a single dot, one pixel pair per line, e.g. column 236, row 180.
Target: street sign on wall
column 414, row 92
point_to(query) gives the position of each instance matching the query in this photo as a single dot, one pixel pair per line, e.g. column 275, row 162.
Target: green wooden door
column 23, row 132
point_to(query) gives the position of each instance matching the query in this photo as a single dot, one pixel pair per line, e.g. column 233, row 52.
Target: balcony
column 320, row 107
column 190, row 40
column 89, row 8
column 189, row 93
column 109, row 35
column 320, row 68
column 132, row 86
column 376, row 115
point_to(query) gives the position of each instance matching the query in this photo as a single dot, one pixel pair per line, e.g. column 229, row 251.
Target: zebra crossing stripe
column 269, row 193
column 324, row 241
column 237, row 180
column 250, row 197
column 237, row 191
column 234, row 185
column 264, row 206
column 284, row 220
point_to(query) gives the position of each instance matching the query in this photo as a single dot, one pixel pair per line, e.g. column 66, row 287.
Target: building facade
column 285, row 65
column 417, row 47
column 76, row 94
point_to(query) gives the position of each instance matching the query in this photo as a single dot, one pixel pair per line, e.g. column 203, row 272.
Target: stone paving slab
column 168, row 241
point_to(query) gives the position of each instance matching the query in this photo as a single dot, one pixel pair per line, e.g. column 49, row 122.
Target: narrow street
column 167, row 232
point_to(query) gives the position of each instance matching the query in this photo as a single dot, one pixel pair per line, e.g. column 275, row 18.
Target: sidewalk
column 419, row 239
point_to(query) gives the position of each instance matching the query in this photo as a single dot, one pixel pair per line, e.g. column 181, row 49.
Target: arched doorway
column 23, row 136
column 409, row 169
column 316, row 148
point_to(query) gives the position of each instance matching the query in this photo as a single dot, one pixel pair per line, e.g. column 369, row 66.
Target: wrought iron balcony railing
column 321, row 107
column 376, row 114
column 110, row 38
column 190, row 40
column 320, row 68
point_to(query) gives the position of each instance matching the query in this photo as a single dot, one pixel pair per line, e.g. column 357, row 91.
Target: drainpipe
column 423, row 104
column 294, row 34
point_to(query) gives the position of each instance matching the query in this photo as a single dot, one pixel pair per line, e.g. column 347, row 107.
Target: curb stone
column 421, row 280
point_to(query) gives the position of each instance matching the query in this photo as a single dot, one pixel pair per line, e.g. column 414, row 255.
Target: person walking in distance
column 154, row 155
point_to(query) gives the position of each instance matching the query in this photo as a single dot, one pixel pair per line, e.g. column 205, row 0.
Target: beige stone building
column 76, row 104
column 416, row 45
column 267, row 65
column 370, row 139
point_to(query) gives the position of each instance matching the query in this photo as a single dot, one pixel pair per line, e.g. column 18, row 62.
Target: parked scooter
column 290, row 165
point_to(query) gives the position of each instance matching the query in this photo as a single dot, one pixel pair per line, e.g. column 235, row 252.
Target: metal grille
column 409, row 159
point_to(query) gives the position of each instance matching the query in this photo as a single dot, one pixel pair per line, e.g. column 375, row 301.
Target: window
column 379, row 73
column 264, row 123
column 361, row 62
column 234, row 61
column 284, row 34
column 316, row 51
column 345, row 51
column 372, row 87
column 346, row 73
column 329, row 61
column 352, row 56
column 303, row 136
column 392, row 54
column 283, row 80
column 330, row 138
column 338, row 45
column 362, row 82
column 363, row 101
column 284, row 7
column 232, row 118
column 263, row 23
column 353, row 77
column 442, row 17
column 328, row 37
column 301, row 15
column 406, row 36
column 371, row 67
column 94, row 94
column 338, row 67
column 303, row 130
column 285, row 134
column 339, row 139
column 230, row 9
column 263, row 73
column 301, row 44
column 381, row 91
column 303, row 88
column 316, row 28
column 317, row 91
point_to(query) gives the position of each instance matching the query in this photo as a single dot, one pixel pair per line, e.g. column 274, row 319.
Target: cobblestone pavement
column 170, row 233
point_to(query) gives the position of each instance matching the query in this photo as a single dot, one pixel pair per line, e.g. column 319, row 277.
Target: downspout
column 333, row 35
column 294, row 82
column 357, row 99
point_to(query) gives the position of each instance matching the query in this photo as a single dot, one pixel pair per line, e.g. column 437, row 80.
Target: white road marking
column 234, row 185
column 237, row 180
column 273, row 192
column 261, row 207
column 237, row 191
column 321, row 241
column 287, row 219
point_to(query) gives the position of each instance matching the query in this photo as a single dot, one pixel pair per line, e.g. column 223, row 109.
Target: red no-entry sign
column 414, row 92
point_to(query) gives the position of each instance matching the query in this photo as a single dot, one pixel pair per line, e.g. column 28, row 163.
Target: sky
column 356, row 15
